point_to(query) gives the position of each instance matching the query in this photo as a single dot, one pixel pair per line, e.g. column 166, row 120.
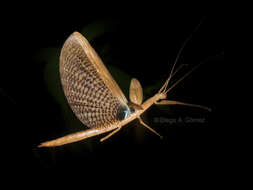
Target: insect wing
column 135, row 92
column 92, row 93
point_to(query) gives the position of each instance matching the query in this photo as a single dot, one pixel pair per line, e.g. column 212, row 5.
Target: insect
column 95, row 97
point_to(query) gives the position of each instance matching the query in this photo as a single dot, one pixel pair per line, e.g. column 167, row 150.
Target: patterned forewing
column 87, row 94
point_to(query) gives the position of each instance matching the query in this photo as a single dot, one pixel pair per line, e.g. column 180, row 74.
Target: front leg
column 173, row 102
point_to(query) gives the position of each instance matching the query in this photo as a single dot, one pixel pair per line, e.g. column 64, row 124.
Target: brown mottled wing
column 93, row 95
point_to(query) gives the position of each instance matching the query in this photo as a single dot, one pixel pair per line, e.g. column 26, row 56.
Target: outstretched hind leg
column 110, row 134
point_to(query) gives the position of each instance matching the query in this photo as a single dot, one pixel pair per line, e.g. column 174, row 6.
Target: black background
column 144, row 42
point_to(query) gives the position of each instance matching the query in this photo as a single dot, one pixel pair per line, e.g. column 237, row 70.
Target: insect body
column 95, row 97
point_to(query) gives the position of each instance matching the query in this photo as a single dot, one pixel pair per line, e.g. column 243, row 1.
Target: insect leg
column 110, row 134
column 173, row 102
column 145, row 125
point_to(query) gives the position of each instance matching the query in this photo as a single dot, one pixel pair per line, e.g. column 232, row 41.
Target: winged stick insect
column 95, row 97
